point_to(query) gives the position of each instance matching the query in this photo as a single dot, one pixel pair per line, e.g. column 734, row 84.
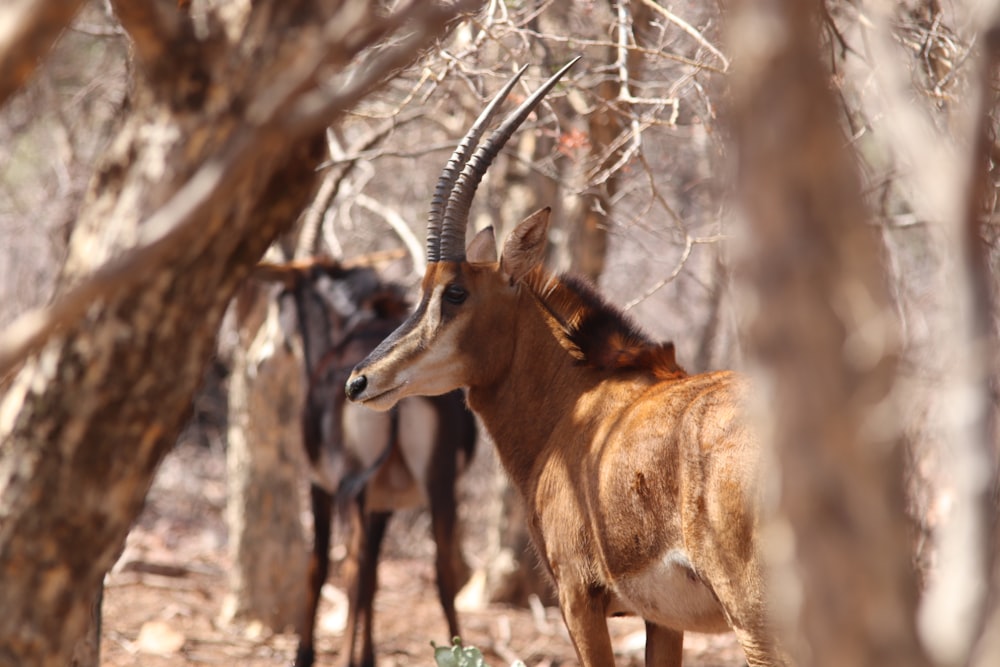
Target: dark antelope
column 640, row 480
column 374, row 463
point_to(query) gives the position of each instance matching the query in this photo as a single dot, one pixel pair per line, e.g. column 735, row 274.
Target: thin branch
column 28, row 29
column 398, row 224
column 330, row 187
column 689, row 29
column 653, row 53
column 688, row 245
column 315, row 109
column 376, row 153
column 624, row 93
column 308, row 241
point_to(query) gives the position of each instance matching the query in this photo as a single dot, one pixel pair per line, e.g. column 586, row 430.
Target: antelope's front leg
column 583, row 610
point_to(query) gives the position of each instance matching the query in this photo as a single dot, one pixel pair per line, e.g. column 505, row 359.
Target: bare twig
column 625, row 39
column 398, row 224
column 312, row 223
column 689, row 243
column 308, row 241
column 315, row 109
column 689, row 29
column 652, row 53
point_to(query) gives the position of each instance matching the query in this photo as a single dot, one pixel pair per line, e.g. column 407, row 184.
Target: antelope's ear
column 483, row 247
column 525, row 246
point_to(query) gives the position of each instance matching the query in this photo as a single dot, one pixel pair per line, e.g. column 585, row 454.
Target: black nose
column 356, row 386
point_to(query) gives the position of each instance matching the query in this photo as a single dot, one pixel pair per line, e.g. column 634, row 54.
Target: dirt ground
column 163, row 598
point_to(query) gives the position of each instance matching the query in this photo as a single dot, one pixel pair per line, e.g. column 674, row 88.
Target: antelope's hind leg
column 664, row 647
column 450, row 568
column 375, row 527
column 319, row 565
column 448, row 558
column 351, row 570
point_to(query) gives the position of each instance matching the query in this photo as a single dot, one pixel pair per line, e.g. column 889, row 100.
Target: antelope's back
column 681, row 462
column 700, row 425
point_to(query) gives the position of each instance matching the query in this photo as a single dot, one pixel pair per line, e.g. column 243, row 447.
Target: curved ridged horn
column 455, row 164
column 456, row 214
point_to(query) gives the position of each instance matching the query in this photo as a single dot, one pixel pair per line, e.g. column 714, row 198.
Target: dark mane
column 597, row 333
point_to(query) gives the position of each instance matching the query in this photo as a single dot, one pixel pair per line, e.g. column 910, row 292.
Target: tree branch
column 312, row 223
column 181, row 219
column 689, row 29
column 398, row 224
column 28, row 29
column 315, row 110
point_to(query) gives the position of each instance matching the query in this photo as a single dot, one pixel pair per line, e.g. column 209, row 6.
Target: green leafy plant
column 459, row 655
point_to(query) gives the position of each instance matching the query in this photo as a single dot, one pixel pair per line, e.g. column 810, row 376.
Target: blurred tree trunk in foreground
column 215, row 157
column 825, row 330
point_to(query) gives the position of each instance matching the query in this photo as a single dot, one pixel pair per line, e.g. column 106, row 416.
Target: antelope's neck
column 541, row 383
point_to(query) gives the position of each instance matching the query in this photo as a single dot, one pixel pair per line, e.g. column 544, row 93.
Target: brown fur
column 640, row 481
column 595, row 332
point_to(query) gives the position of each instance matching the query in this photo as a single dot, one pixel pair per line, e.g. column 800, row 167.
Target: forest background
column 803, row 190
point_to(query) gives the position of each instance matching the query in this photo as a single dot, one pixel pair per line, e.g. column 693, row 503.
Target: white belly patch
column 401, row 479
column 669, row 593
column 418, row 429
column 365, row 435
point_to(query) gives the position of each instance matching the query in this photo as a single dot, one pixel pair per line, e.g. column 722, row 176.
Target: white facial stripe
column 432, row 316
column 423, row 362
column 434, row 369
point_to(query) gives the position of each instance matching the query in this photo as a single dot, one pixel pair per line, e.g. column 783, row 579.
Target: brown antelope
column 639, row 479
column 370, row 463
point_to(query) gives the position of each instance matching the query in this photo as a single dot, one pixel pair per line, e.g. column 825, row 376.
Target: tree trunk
column 824, row 329
column 216, row 157
column 265, row 472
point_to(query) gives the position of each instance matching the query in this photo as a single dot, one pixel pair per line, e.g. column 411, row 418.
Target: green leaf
column 458, row 655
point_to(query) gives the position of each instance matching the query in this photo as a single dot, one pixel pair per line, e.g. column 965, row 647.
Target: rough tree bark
column 265, row 470
column 214, row 158
column 824, row 330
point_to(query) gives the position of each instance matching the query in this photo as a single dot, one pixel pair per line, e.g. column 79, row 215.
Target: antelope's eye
column 455, row 294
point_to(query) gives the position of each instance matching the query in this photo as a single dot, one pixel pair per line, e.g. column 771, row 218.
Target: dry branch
column 180, row 220
column 398, row 224
column 689, row 29
column 340, row 166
